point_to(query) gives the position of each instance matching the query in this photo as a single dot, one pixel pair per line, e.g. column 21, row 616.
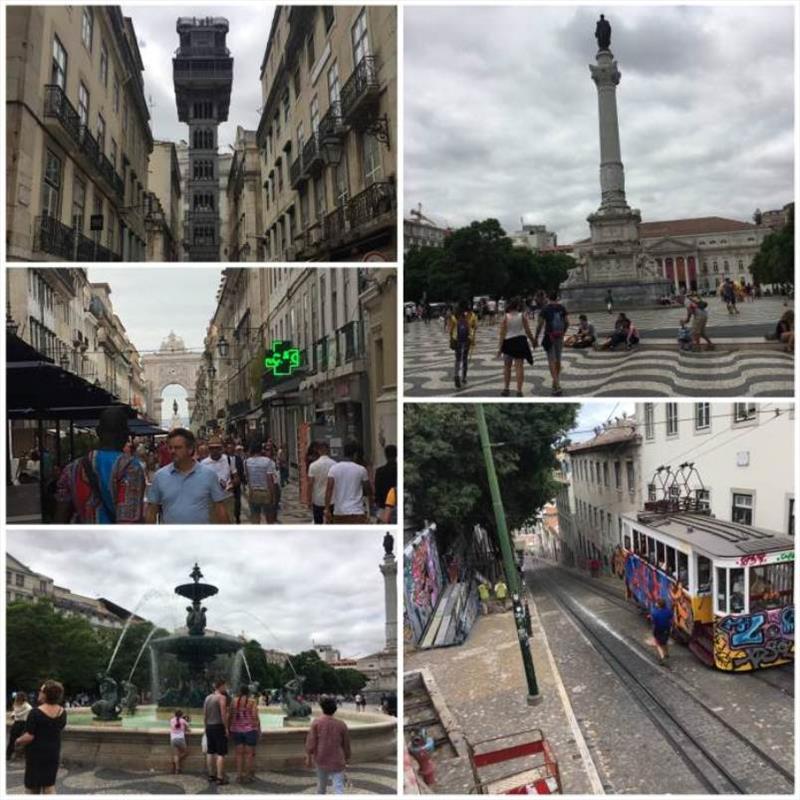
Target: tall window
column 310, row 54
column 631, row 476
column 78, row 204
column 319, row 197
column 791, row 517
column 334, row 299
column 314, row 114
column 97, row 210
column 104, row 64
column 649, row 421
column 742, row 412
column 360, row 40
column 373, row 168
column 742, row 510
column 112, row 154
column 328, row 17
column 333, row 84
column 124, row 116
column 58, row 71
column 342, row 187
column 672, row 419
column 115, row 93
column 87, row 27
column 83, row 104
column 51, row 187
column 618, row 475
column 101, row 133
column 285, row 103
column 702, row 416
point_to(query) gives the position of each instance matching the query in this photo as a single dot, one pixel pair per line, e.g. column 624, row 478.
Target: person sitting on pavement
column 784, row 330
column 584, row 336
column 624, row 331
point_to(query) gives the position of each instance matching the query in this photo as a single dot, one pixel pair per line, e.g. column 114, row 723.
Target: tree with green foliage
column 351, row 680
column 445, row 475
column 269, row 676
column 774, row 261
column 43, row 643
column 129, row 651
column 322, row 678
column 419, row 263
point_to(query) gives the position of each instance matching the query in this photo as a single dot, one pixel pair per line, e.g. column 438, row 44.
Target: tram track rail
column 772, row 677
column 721, row 758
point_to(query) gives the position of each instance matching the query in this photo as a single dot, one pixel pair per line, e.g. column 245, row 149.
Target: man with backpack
column 729, row 296
column 462, row 326
column 553, row 318
column 107, row 486
column 697, row 312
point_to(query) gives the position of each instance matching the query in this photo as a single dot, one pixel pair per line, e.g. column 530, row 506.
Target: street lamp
column 223, row 347
column 331, row 151
column 212, row 371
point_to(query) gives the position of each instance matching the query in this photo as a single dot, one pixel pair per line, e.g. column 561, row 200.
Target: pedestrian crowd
column 188, row 480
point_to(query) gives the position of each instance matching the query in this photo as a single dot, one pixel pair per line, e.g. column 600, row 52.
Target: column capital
column 605, row 72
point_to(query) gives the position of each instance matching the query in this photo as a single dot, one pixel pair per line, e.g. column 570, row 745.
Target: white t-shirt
column 224, row 471
column 318, row 475
column 257, row 468
column 348, row 491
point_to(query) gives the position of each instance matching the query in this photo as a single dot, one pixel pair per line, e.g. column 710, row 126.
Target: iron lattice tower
column 203, row 74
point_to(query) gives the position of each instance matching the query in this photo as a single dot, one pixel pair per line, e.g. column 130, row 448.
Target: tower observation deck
column 202, row 72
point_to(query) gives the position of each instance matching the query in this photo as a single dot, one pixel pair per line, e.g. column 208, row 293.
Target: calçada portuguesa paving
column 743, row 363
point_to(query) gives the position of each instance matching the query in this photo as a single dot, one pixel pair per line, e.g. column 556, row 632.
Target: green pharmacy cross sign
column 283, row 359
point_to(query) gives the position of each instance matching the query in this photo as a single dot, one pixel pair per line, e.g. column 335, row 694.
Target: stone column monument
column 613, row 259
column 389, row 571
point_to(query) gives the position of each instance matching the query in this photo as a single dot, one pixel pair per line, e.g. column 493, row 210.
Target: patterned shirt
column 328, row 741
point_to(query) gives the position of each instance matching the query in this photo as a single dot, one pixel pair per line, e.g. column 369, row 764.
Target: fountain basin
column 86, row 743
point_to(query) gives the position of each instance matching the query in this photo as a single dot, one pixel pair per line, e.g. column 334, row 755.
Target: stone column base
column 626, row 295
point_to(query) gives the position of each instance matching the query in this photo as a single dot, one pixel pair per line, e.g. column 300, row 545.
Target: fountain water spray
column 146, row 596
column 141, row 650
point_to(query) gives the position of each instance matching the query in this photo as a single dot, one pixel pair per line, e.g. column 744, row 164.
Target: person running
column 261, row 477
column 555, row 321
column 178, row 730
column 697, row 313
column 348, row 486
column 215, row 718
column 328, row 748
column 462, row 326
column 318, row 475
column 42, row 739
column 245, row 731
column 661, row 617
column 514, row 347
column 20, row 709
column 185, row 492
column 729, row 296
column 105, row 487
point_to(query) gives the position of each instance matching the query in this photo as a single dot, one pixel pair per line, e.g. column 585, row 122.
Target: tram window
column 771, row 586
column 660, row 559
column 671, row 567
column 651, row 549
column 737, row 590
column 627, row 540
column 683, row 568
column 703, row 575
column 637, row 547
column 722, row 590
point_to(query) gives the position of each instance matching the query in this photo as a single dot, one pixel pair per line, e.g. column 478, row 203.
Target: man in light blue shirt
column 185, row 492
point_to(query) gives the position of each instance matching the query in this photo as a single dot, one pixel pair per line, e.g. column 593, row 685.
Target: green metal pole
column 508, row 558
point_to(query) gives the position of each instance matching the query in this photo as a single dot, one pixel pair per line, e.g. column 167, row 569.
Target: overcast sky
column 323, row 586
column 596, row 413
column 501, row 112
column 158, row 40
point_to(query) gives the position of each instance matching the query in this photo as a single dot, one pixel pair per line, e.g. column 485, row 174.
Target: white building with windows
column 605, row 473
column 742, row 453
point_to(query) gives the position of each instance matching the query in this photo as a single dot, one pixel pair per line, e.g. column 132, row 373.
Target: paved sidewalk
column 483, row 684
column 379, row 777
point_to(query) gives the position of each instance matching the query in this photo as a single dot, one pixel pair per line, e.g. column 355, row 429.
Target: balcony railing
column 296, row 177
column 85, row 248
column 57, row 106
column 53, row 237
column 376, row 200
column 336, row 224
column 331, row 125
column 312, row 156
column 341, row 347
column 360, row 92
column 221, row 69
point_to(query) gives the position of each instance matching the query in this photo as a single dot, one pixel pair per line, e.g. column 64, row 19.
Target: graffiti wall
column 646, row 584
column 422, row 581
column 753, row 641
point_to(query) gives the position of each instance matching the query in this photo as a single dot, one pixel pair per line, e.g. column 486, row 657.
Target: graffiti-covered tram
column 730, row 586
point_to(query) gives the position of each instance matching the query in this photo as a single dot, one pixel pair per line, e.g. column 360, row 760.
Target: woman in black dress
column 42, row 739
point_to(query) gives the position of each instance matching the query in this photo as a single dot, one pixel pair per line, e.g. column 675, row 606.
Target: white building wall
column 752, row 456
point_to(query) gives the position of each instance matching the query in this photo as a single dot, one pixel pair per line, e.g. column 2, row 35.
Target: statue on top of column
column 602, row 33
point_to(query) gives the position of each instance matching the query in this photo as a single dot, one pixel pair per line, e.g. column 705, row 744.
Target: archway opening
column 174, row 406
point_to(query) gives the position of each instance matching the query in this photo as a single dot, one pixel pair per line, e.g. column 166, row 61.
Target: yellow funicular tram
column 729, row 585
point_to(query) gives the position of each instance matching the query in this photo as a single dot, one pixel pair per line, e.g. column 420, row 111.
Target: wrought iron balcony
column 331, row 126
column 65, row 125
column 336, row 224
column 349, row 342
column 296, row 176
column 85, row 249
column 359, row 95
column 53, row 237
column 312, row 156
column 375, row 201
column 321, row 353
